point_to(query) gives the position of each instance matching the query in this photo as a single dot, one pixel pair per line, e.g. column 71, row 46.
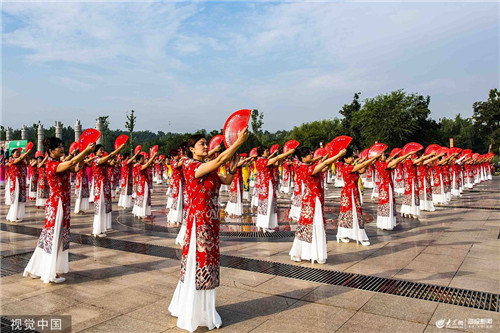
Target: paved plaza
column 439, row 273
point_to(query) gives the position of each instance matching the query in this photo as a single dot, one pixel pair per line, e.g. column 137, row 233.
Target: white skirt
column 269, row 221
column 375, row 192
column 175, row 213
column 81, row 204
column 224, row 188
column 32, row 192
column 427, row 205
column 294, row 213
column 145, row 209
column 339, row 182
column 387, row 222
column 255, row 198
column 441, row 197
column 17, row 209
column 413, row 209
column 193, row 307
column 235, row 208
column 355, row 232
column 47, row 265
column 455, row 191
column 7, row 192
column 125, row 200
column 180, row 236
column 102, row 220
column 246, row 195
column 316, row 250
column 92, row 195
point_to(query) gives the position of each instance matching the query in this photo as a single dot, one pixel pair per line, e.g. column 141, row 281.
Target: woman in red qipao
column 177, row 186
column 424, row 172
column 102, row 191
column 126, row 181
column 310, row 236
column 33, row 178
column 42, row 186
column 339, row 182
column 286, row 178
column 350, row 221
column 438, row 183
column 297, row 191
column 256, row 186
column 51, row 254
column 411, row 203
column 142, row 205
column 17, row 188
column 386, row 210
column 82, row 189
column 194, row 298
column 267, row 217
column 234, row 206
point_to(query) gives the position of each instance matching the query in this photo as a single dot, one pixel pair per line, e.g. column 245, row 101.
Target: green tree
column 313, row 133
column 486, row 119
column 130, row 125
column 257, row 120
column 394, row 119
column 349, row 111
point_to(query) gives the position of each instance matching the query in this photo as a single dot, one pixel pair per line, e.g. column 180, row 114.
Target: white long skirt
column 355, row 233
column 316, row 250
column 246, row 195
column 224, row 188
column 102, row 220
column 375, row 192
column 145, row 209
column 125, row 200
column 40, row 202
column 413, row 209
column 175, row 213
column 235, row 208
column 427, row 205
column 47, row 265
column 455, row 191
column 92, row 194
column 180, row 236
column 269, row 221
column 339, row 182
column 17, row 209
column 81, row 204
column 387, row 222
column 193, row 307
column 7, row 192
column 255, row 197
column 441, row 197
column 294, row 213
column 32, row 192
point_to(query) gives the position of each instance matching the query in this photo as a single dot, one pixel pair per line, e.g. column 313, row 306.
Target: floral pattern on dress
column 268, row 175
column 410, row 172
column 349, row 191
column 101, row 180
column 313, row 190
column 385, row 190
column 203, row 212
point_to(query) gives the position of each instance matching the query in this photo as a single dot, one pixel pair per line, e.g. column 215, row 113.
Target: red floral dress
column 424, row 179
column 267, row 175
column 175, row 181
column 349, row 191
column 297, row 188
column 82, row 183
column 237, row 180
column 43, row 189
column 18, row 171
column 436, row 179
column 286, row 174
column 126, row 181
column 101, row 180
column 385, row 190
column 312, row 190
column 410, row 172
column 203, row 211
column 33, row 178
column 142, row 176
column 60, row 190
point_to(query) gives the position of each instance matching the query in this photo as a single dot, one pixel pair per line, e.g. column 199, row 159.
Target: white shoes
column 365, row 243
column 58, row 280
column 33, row 276
column 296, row 259
column 345, row 240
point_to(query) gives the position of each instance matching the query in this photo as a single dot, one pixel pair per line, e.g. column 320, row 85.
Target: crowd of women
column 195, row 176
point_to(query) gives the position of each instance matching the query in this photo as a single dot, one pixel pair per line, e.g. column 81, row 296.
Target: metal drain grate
column 423, row 291
column 15, row 264
column 471, row 207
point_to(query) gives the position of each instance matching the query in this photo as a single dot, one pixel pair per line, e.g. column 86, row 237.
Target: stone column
column 78, row 130
column 98, row 126
column 59, row 130
column 41, row 136
column 24, row 133
column 8, row 134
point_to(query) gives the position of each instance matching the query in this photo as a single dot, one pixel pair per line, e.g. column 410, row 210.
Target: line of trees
column 394, row 118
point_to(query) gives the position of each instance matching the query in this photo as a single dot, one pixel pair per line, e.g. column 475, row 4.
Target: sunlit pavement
column 122, row 285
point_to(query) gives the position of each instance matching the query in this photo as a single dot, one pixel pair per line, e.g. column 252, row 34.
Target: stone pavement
column 124, row 286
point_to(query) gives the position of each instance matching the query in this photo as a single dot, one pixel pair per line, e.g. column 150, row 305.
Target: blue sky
column 193, row 63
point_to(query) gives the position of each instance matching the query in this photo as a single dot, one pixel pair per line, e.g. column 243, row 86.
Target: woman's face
column 308, row 158
column 16, row 153
column 200, row 148
column 265, row 153
column 383, row 157
column 100, row 152
column 57, row 152
column 349, row 160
